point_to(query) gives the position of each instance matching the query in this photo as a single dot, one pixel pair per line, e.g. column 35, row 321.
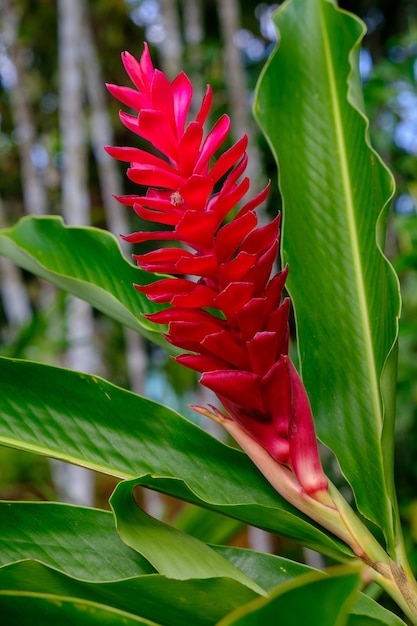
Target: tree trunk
column 76, row 484
column 193, row 35
column 171, row 47
column 101, row 134
column 13, row 292
column 239, row 97
column 34, row 196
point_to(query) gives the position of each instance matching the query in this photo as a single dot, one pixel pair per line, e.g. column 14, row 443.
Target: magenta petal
column 277, row 323
column 155, row 127
column 257, row 200
column 222, row 344
column 225, row 202
column 197, row 229
column 241, row 388
column 130, row 121
column 140, row 73
column 251, row 317
column 130, row 97
column 176, row 314
column 235, row 271
column 205, row 106
column 127, row 200
column 195, row 191
column 166, row 289
column 138, row 157
column 170, row 218
column 198, row 265
column 190, row 144
column 213, row 141
column 260, row 272
column 200, row 296
column 259, row 240
column 277, row 395
column 262, row 351
column 235, row 174
column 228, row 159
column 305, row 457
column 230, row 236
column 162, row 99
column 152, row 175
column 163, row 260
column 233, row 298
column 182, row 92
column 202, row 362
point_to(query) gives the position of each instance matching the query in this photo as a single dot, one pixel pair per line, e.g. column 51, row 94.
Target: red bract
column 226, row 310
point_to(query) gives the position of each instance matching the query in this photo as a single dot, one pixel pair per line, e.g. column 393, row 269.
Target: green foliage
column 346, row 329
column 65, row 564
column 98, row 273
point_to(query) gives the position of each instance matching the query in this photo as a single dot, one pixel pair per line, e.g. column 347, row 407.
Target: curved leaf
column 152, row 597
column 88, row 263
column 88, row 421
column 113, row 575
column 78, row 541
column 270, row 571
column 37, row 609
column 335, row 192
column 311, row 599
column 171, row 551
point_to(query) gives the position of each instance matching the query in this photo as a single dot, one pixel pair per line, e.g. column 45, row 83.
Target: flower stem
column 329, row 509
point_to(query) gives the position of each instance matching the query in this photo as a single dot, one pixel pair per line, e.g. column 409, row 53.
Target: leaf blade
column 88, row 263
column 85, row 420
column 346, row 327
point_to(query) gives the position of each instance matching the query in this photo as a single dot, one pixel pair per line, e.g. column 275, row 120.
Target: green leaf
column 152, row 597
column 311, row 599
column 37, row 609
column 335, row 193
column 95, row 565
column 88, row 263
column 88, row 421
column 206, row 525
column 78, row 541
column 171, row 551
column 270, row 571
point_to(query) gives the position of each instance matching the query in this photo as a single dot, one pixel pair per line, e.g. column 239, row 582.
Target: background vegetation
column 48, row 167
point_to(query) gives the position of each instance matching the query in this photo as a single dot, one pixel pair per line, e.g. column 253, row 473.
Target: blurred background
column 55, row 118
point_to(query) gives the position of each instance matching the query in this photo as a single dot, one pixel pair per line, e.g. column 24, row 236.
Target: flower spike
column 224, row 304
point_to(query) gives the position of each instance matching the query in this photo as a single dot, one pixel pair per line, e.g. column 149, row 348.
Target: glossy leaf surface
column 310, row 599
column 51, row 534
column 335, row 193
column 153, row 597
column 88, row 421
column 171, row 551
column 87, row 262
column 78, row 541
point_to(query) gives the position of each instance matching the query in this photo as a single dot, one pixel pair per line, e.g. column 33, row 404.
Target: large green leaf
column 335, row 193
column 40, row 608
column 171, row 551
column 75, row 552
column 207, row 525
column 154, row 597
column 270, row 571
column 88, row 421
column 87, row 262
column 311, row 599
column 78, row 541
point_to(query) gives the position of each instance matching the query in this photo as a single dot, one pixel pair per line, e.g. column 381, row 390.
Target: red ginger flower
column 231, row 319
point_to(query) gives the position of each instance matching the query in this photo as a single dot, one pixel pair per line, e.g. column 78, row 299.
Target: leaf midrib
column 350, row 214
